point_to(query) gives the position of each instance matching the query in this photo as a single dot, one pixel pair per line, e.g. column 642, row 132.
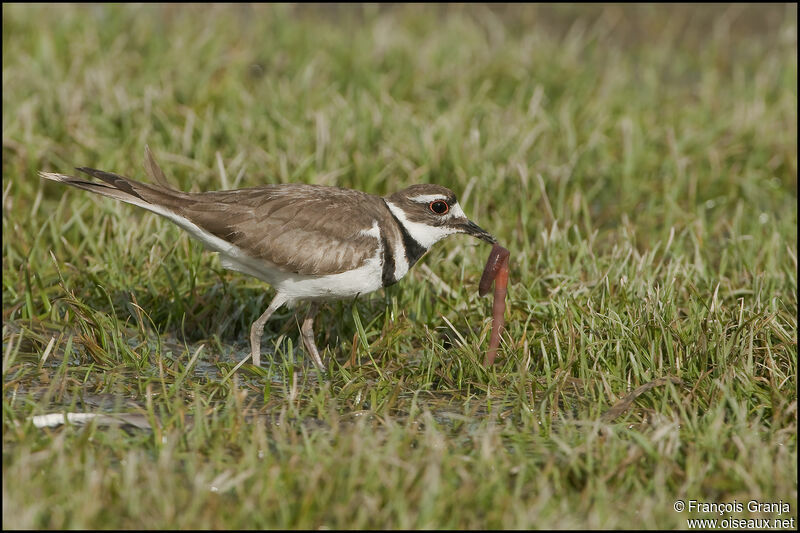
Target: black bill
column 471, row 228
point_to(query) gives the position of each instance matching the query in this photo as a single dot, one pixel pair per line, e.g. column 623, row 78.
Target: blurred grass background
column 639, row 161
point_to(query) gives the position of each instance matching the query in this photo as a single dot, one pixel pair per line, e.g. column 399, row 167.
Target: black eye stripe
column 439, row 207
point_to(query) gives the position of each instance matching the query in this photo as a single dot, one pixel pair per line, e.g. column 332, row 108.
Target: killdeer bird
column 310, row 242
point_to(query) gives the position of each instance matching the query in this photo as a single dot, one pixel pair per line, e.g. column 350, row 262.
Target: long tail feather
column 125, row 189
column 108, row 189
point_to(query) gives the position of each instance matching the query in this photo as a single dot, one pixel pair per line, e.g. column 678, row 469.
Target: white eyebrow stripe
column 454, row 210
column 428, row 197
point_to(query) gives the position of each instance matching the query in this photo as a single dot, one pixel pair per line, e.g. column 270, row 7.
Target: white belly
column 364, row 279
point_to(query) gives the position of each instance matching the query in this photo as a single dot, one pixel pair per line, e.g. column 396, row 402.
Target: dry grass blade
column 626, row 403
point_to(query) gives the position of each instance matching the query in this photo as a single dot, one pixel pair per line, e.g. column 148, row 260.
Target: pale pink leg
column 307, row 332
column 257, row 329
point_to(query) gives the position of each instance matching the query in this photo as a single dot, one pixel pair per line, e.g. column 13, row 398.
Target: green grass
column 640, row 162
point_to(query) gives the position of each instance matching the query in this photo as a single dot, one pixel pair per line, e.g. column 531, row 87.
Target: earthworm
column 493, row 264
column 496, row 270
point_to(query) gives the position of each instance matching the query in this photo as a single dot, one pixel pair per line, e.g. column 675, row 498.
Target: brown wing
column 305, row 229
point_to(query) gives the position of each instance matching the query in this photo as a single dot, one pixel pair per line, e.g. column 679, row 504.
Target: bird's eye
column 439, row 207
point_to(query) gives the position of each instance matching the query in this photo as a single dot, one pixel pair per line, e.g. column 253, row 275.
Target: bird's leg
column 257, row 329
column 307, row 332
